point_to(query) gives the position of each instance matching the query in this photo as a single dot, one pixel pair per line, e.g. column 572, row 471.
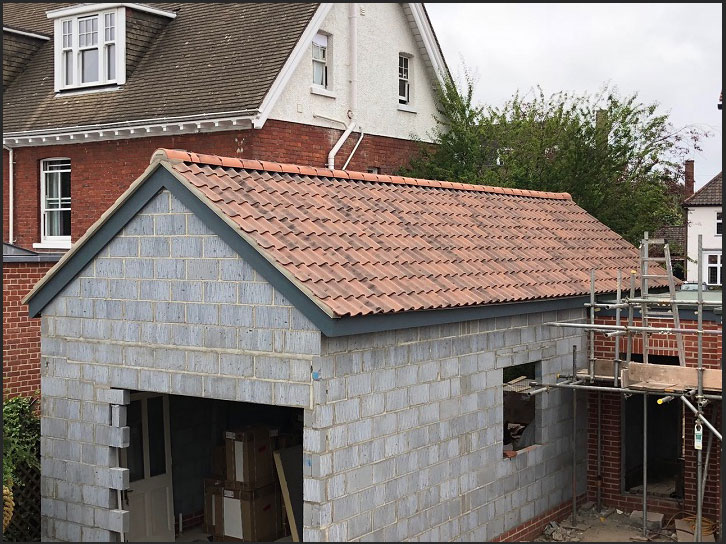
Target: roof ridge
column 267, row 166
column 715, row 180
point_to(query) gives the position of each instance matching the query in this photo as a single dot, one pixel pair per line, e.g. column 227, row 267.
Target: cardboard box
column 238, row 515
column 249, row 457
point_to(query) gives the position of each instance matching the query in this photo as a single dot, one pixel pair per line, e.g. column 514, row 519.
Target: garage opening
column 665, row 441
column 211, row 470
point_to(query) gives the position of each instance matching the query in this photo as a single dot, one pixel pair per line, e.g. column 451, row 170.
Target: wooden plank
column 604, row 370
column 288, row 462
column 684, row 377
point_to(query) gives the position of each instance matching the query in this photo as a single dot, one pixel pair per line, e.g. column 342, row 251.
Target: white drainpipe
column 353, row 42
column 11, row 190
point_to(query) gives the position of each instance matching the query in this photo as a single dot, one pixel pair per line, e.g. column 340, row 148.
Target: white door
column 149, row 498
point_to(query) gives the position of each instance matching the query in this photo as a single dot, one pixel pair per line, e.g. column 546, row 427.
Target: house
column 705, row 219
column 382, row 313
column 91, row 90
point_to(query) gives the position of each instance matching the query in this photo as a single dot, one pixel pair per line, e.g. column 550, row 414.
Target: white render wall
column 383, row 32
column 701, row 220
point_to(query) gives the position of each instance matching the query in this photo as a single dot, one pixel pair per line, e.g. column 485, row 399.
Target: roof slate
column 708, row 195
column 365, row 244
column 176, row 77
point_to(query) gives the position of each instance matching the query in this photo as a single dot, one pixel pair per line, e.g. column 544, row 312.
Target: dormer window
column 90, row 43
column 88, row 50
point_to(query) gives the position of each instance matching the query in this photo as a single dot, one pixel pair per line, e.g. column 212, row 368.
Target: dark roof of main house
column 708, row 195
column 361, row 244
column 176, row 76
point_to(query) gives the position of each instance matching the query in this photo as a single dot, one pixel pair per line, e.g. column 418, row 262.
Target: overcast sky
column 668, row 53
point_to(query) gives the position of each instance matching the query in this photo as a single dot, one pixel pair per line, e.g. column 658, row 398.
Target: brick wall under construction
column 612, row 425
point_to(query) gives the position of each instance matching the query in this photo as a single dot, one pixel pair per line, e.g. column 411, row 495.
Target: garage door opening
column 205, row 469
column 665, row 442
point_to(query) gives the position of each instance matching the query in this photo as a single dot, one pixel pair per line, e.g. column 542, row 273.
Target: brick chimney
column 689, row 177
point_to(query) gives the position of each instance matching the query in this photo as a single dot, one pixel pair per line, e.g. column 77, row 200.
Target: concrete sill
column 52, row 245
column 406, row 108
column 314, row 89
column 511, row 454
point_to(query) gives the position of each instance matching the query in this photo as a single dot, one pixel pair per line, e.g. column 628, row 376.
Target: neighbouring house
column 704, row 210
column 386, row 314
column 91, row 90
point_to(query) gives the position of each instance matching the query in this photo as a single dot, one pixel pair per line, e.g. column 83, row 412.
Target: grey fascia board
column 40, row 258
column 331, row 327
column 685, row 312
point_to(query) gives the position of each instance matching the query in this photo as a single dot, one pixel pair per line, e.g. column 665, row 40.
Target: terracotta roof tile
column 367, row 243
column 710, row 194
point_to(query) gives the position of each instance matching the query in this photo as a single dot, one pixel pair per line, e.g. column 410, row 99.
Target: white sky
column 668, row 53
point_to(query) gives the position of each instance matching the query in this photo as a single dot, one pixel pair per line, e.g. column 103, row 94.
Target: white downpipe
column 362, row 133
column 339, row 144
column 353, row 43
column 11, row 196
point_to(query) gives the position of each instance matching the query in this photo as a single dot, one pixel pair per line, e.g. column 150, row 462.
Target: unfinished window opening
column 654, row 359
column 519, row 409
column 205, row 469
column 665, row 447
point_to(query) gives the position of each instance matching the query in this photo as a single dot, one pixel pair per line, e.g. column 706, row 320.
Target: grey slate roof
column 708, row 195
column 212, row 58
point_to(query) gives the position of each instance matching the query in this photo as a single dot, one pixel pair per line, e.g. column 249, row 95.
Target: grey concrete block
column 79, row 307
column 303, row 342
column 203, row 362
column 109, row 268
column 187, row 385
column 152, row 380
column 172, row 224
column 214, row 246
column 170, row 359
column 235, row 270
column 124, row 247
column 154, row 289
column 347, row 411
column 205, row 269
column 138, row 268
column 154, row 247
column 207, row 314
column 255, row 293
column 291, row 394
column 271, row 368
column 186, row 291
column 220, row 387
column 169, row 312
column 118, row 521
column 236, row 315
column 272, row 317
column 140, row 225
column 138, row 310
column 186, row 246
column 220, row 337
column 255, row 391
column 197, row 226
column 236, row 364
column 170, row 269
column 158, row 204
column 225, row 292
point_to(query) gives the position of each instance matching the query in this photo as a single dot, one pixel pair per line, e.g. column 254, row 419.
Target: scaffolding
column 622, row 372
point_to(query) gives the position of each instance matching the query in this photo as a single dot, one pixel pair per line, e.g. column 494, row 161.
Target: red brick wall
column 611, row 449
column 103, row 170
column 21, row 334
column 527, row 531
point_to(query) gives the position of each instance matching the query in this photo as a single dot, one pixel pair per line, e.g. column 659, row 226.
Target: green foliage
column 620, row 159
column 21, row 437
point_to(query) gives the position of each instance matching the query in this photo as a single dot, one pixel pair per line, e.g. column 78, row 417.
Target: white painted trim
column 322, row 91
column 198, row 123
column 88, row 8
column 28, row 34
column 51, row 242
column 429, row 40
column 291, row 63
column 406, row 107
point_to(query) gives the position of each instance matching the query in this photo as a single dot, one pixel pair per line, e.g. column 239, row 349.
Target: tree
column 620, row 159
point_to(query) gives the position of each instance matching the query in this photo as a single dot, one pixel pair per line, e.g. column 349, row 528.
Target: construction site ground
column 609, row 526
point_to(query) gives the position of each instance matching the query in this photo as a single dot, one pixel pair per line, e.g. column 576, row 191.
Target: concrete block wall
column 165, row 307
column 404, row 441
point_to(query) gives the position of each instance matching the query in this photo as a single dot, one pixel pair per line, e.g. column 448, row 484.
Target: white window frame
column 719, row 223
column 53, row 242
column 405, row 99
column 118, row 41
column 718, row 266
column 321, row 41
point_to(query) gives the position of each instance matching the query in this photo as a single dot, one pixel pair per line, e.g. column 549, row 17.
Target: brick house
column 91, row 90
column 385, row 313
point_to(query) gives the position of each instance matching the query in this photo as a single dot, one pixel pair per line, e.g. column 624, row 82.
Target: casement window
column 719, row 223
column 90, row 50
column 55, row 202
column 714, row 268
column 404, row 79
column 320, row 60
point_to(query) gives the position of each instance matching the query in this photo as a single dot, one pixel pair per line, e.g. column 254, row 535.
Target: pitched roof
column 708, row 195
column 676, row 236
column 251, row 42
